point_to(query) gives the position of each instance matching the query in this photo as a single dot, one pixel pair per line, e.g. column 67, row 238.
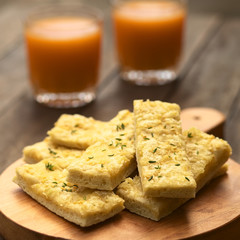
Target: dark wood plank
column 29, row 121
column 216, row 77
column 224, row 7
column 13, row 79
column 214, row 80
column 11, row 28
column 233, row 125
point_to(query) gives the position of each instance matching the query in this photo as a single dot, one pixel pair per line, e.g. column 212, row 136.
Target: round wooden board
column 206, row 119
column 215, row 205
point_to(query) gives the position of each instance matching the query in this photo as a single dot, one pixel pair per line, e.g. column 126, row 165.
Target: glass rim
column 117, row 3
column 68, row 10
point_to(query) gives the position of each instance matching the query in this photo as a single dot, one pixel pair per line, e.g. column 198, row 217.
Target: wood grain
column 17, row 102
column 215, row 205
column 213, row 81
column 18, row 209
column 210, row 79
column 206, row 119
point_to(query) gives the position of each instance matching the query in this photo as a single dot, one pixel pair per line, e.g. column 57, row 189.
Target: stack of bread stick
column 81, row 170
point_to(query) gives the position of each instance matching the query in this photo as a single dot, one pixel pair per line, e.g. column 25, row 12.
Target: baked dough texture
column 47, row 149
column 77, row 131
column 105, row 164
column 73, row 171
column 163, row 163
column 206, row 153
column 46, row 183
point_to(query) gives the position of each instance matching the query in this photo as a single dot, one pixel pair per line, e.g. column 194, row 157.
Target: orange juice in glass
column 149, row 39
column 63, row 49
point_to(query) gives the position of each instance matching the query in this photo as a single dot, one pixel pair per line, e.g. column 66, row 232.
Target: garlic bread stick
column 106, row 163
column 162, row 160
column 46, row 183
column 77, row 131
column 47, row 149
column 206, row 154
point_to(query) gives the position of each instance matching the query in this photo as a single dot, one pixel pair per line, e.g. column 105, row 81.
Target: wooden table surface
column 210, row 77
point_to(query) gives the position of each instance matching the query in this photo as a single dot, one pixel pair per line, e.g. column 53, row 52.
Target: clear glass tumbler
column 149, row 39
column 63, row 46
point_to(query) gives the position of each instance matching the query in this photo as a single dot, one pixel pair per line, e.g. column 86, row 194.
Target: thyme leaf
column 150, row 178
column 187, row 179
column 190, row 135
column 51, row 151
column 49, row 166
column 73, row 131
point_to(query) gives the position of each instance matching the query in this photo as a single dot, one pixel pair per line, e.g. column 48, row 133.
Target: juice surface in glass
column 63, row 54
column 149, row 34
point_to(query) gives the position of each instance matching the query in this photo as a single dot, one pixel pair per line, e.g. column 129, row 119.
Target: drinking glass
column 149, row 39
column 63, row 46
